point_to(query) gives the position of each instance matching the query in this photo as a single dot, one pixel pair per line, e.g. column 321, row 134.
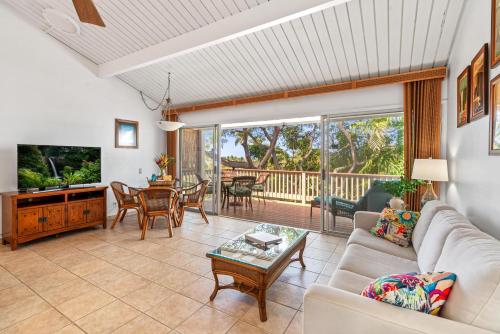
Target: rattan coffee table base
column 252, row 280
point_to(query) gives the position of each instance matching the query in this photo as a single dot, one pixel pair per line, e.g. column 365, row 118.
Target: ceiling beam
column 246, row 22
column 433, row 73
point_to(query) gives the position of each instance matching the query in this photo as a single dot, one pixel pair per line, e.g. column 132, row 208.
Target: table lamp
column 430, row 170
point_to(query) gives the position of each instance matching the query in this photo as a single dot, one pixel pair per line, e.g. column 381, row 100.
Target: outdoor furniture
column 242, row 188
column 260, row 185
column 226, row 182
column 256, row 273
column 158, row 202
column 192, row 197
column 126, row 198
column 375, row 200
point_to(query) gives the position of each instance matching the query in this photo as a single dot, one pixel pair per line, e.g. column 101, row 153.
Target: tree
column 369, row 146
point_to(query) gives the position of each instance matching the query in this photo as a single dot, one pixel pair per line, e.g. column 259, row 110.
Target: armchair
column 374, row 200
column 126, row 199
column 242, row 187
column 193, row 197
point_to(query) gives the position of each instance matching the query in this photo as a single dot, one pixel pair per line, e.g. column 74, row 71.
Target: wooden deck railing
column 302, row 187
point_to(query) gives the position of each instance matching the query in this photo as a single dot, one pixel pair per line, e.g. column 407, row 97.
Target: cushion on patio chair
column 240, row 191
column 258, row 187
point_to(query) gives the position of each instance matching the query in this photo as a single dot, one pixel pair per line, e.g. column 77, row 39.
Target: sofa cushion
column 400, row 229
column 349, row 281
column 426, row 215
column 440, row 227
column 425, row 293
column 373, row 263
column 474, row 257
column 364, row 238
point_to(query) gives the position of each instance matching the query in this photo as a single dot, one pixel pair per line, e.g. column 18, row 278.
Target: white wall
column 475, row 186
column 359, row 100
column 48, row 97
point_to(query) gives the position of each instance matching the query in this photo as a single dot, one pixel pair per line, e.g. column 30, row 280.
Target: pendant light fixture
column 166, row 111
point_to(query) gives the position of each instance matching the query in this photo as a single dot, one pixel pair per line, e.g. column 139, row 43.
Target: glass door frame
column 325, row 187
column 217, row 161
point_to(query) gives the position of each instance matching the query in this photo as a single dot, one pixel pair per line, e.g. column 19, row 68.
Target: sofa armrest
column 365, row 219
column 331, row 310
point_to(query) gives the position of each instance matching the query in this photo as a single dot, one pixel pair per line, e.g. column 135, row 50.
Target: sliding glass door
column 199, row 160
column 356, row 152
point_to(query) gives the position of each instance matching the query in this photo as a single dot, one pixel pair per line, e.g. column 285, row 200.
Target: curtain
column 422, row 126
column 172, row 145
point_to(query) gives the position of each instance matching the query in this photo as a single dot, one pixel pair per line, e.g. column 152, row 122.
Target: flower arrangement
column 162, row 161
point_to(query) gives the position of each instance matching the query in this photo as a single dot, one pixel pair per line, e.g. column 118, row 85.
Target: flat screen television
column 48, row 167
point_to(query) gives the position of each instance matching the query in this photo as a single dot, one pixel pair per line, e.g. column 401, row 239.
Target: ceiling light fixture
column 166, row 110
column 61, row 22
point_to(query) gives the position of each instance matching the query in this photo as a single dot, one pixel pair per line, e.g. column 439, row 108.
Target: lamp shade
column 430, row 170
column 169, row 125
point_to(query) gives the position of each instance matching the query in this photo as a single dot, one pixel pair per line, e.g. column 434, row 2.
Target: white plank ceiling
column 360, row 39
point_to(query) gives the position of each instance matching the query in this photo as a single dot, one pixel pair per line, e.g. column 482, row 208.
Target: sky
column 228, row 148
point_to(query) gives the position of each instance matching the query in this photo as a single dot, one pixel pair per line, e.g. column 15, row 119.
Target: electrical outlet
column 114, row 204
column 140, row 170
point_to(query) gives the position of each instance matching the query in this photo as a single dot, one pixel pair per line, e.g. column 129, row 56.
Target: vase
column 397, row 203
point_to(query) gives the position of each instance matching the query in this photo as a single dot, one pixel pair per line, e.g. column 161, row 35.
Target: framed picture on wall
column 495, row 116
column 126, row 134
column 479, row 82
column 495, row 33
column 463, row 97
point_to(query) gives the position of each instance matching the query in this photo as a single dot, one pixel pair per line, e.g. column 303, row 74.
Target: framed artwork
column 495, row 33
column 495, row 116
column 463, row 97
column 126, row 134
column 479, row 82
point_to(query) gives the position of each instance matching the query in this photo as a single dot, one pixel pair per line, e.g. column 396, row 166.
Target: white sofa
column 443, row 240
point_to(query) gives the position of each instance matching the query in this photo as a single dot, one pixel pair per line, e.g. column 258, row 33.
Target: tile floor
column 108, row 281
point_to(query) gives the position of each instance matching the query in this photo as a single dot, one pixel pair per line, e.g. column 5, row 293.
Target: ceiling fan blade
column 87, row 12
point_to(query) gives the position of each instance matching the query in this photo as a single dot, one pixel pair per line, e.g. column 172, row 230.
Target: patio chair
column 158, row 202
column 126, row 199
column 375, row 200
column 193, row 197
column 260, row 185
column 242, row 188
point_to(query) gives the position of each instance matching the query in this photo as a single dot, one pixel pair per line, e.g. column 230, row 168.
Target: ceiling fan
column 87, row 12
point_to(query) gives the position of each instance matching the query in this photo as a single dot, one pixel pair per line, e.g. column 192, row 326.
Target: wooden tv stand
column 30, row 216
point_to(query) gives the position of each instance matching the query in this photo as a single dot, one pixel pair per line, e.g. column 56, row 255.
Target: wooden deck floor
column 282, row 213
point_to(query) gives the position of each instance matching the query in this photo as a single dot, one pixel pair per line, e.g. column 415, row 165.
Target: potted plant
column 162, row 161
column 398, row 188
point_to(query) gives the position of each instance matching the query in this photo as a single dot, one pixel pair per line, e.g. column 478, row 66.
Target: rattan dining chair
column 126, row 199
column 158, row 202
column 192, row 197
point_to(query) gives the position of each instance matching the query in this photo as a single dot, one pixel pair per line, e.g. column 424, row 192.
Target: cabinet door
column 76, row 213
column 29, row 221
column 95, row 209
column 54, row 217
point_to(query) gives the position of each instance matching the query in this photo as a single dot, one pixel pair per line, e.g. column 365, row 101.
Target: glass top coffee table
column 255, row 269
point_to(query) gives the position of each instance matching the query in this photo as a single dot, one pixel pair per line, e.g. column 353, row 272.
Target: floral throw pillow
column 425, row 293
column 400, row 228
column 381, row 227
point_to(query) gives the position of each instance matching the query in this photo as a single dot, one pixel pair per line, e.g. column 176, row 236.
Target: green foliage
column 70, row 176
column 30, row 157
column 32, row 179
column 398, row 188
column 90, row 171
column 367, row 146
